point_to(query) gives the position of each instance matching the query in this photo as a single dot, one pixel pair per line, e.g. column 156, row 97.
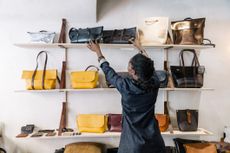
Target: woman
column 140, row 131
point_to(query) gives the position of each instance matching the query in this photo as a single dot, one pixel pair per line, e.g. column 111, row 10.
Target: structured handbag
column 163, row 119
column 40, row 79
column 92, row 123
column 154, row 30
column 42, row 36
column 115, row 122
column 85, row 147
column 188, row 76
column 200, row 148
column 119, row 36
column 85, row 79
column 188, row 31
column 162, row 75
column 179, row 144
column 85, row 35
column 187, row 120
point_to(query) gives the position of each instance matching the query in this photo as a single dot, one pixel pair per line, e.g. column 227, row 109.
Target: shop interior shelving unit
column 165, row 48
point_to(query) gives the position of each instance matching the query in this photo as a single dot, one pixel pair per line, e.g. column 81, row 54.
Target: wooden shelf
column 109, row 89
column 120, row 46
column 199, row 132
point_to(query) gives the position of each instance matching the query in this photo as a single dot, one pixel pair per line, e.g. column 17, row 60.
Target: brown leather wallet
column 50, row 134
column 22, row 135
column 37, row 134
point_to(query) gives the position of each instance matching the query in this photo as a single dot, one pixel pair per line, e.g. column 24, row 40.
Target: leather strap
column 91, row 66
column 62, row 37
column 209, row 43
column 2, row 150
column 44, row 70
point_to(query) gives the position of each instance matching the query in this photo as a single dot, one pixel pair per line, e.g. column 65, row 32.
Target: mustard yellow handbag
column 85, row 79
column 40, row 79
column 92, row 123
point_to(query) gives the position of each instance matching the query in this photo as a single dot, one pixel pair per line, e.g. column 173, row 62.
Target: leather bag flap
column 50, row 74
column 84, row 76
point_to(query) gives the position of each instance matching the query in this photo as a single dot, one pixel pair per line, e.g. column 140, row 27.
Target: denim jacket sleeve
column 112, row 77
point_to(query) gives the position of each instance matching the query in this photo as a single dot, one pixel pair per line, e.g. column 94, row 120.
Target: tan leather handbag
column 200, row 148
column 85, row 147
column 163, row 119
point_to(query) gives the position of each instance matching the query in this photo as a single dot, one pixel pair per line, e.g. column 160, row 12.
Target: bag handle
column 166, row 111
column 91, row 66
column 195, row 61
column 209, row 43
column 44, row 70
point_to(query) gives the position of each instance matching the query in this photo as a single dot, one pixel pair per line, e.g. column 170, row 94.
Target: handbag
column 40, row 79
column 42, row 36
column 179, row 144
column 200, row 148
column 188, row 76
column 119, row 36
column 188, row 31
column 162, row 75
column 187, row 120
column 85, row 35
column 92, row 123
column 115, row 122
column 154, row 30
column 163, row 119
column 85, row 147
column 85, row 79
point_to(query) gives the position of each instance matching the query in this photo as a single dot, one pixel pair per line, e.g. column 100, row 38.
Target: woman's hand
column 95, row 48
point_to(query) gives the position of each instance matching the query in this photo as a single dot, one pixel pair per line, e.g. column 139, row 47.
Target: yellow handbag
column 85, row 79
column 40, row 79
column 92, row 123
column 85, row 147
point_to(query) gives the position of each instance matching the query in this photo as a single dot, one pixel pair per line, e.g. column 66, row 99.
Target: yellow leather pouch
column 92, row 123
column 84, row 79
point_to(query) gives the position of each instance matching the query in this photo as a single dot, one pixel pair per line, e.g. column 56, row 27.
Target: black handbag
column 85, row 35
column 187, row 120
column 188, row 76
column 163, row 78
column 120, row 36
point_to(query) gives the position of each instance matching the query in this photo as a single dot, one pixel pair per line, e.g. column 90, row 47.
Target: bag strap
column 166, row 111
column 91, row 66
column 209, row 43
column 195, row 61
column 44, row 70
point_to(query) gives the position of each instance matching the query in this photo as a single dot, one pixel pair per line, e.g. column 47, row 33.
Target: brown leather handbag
column 163, row 119
column 187, row 120
column 115, row 122
column 200, row 148
column 85, row 147
column 188, row 31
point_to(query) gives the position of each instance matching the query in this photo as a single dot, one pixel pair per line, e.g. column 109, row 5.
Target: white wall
column 18, row 109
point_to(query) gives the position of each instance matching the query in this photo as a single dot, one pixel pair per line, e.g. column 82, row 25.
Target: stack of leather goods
column 26, row 130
